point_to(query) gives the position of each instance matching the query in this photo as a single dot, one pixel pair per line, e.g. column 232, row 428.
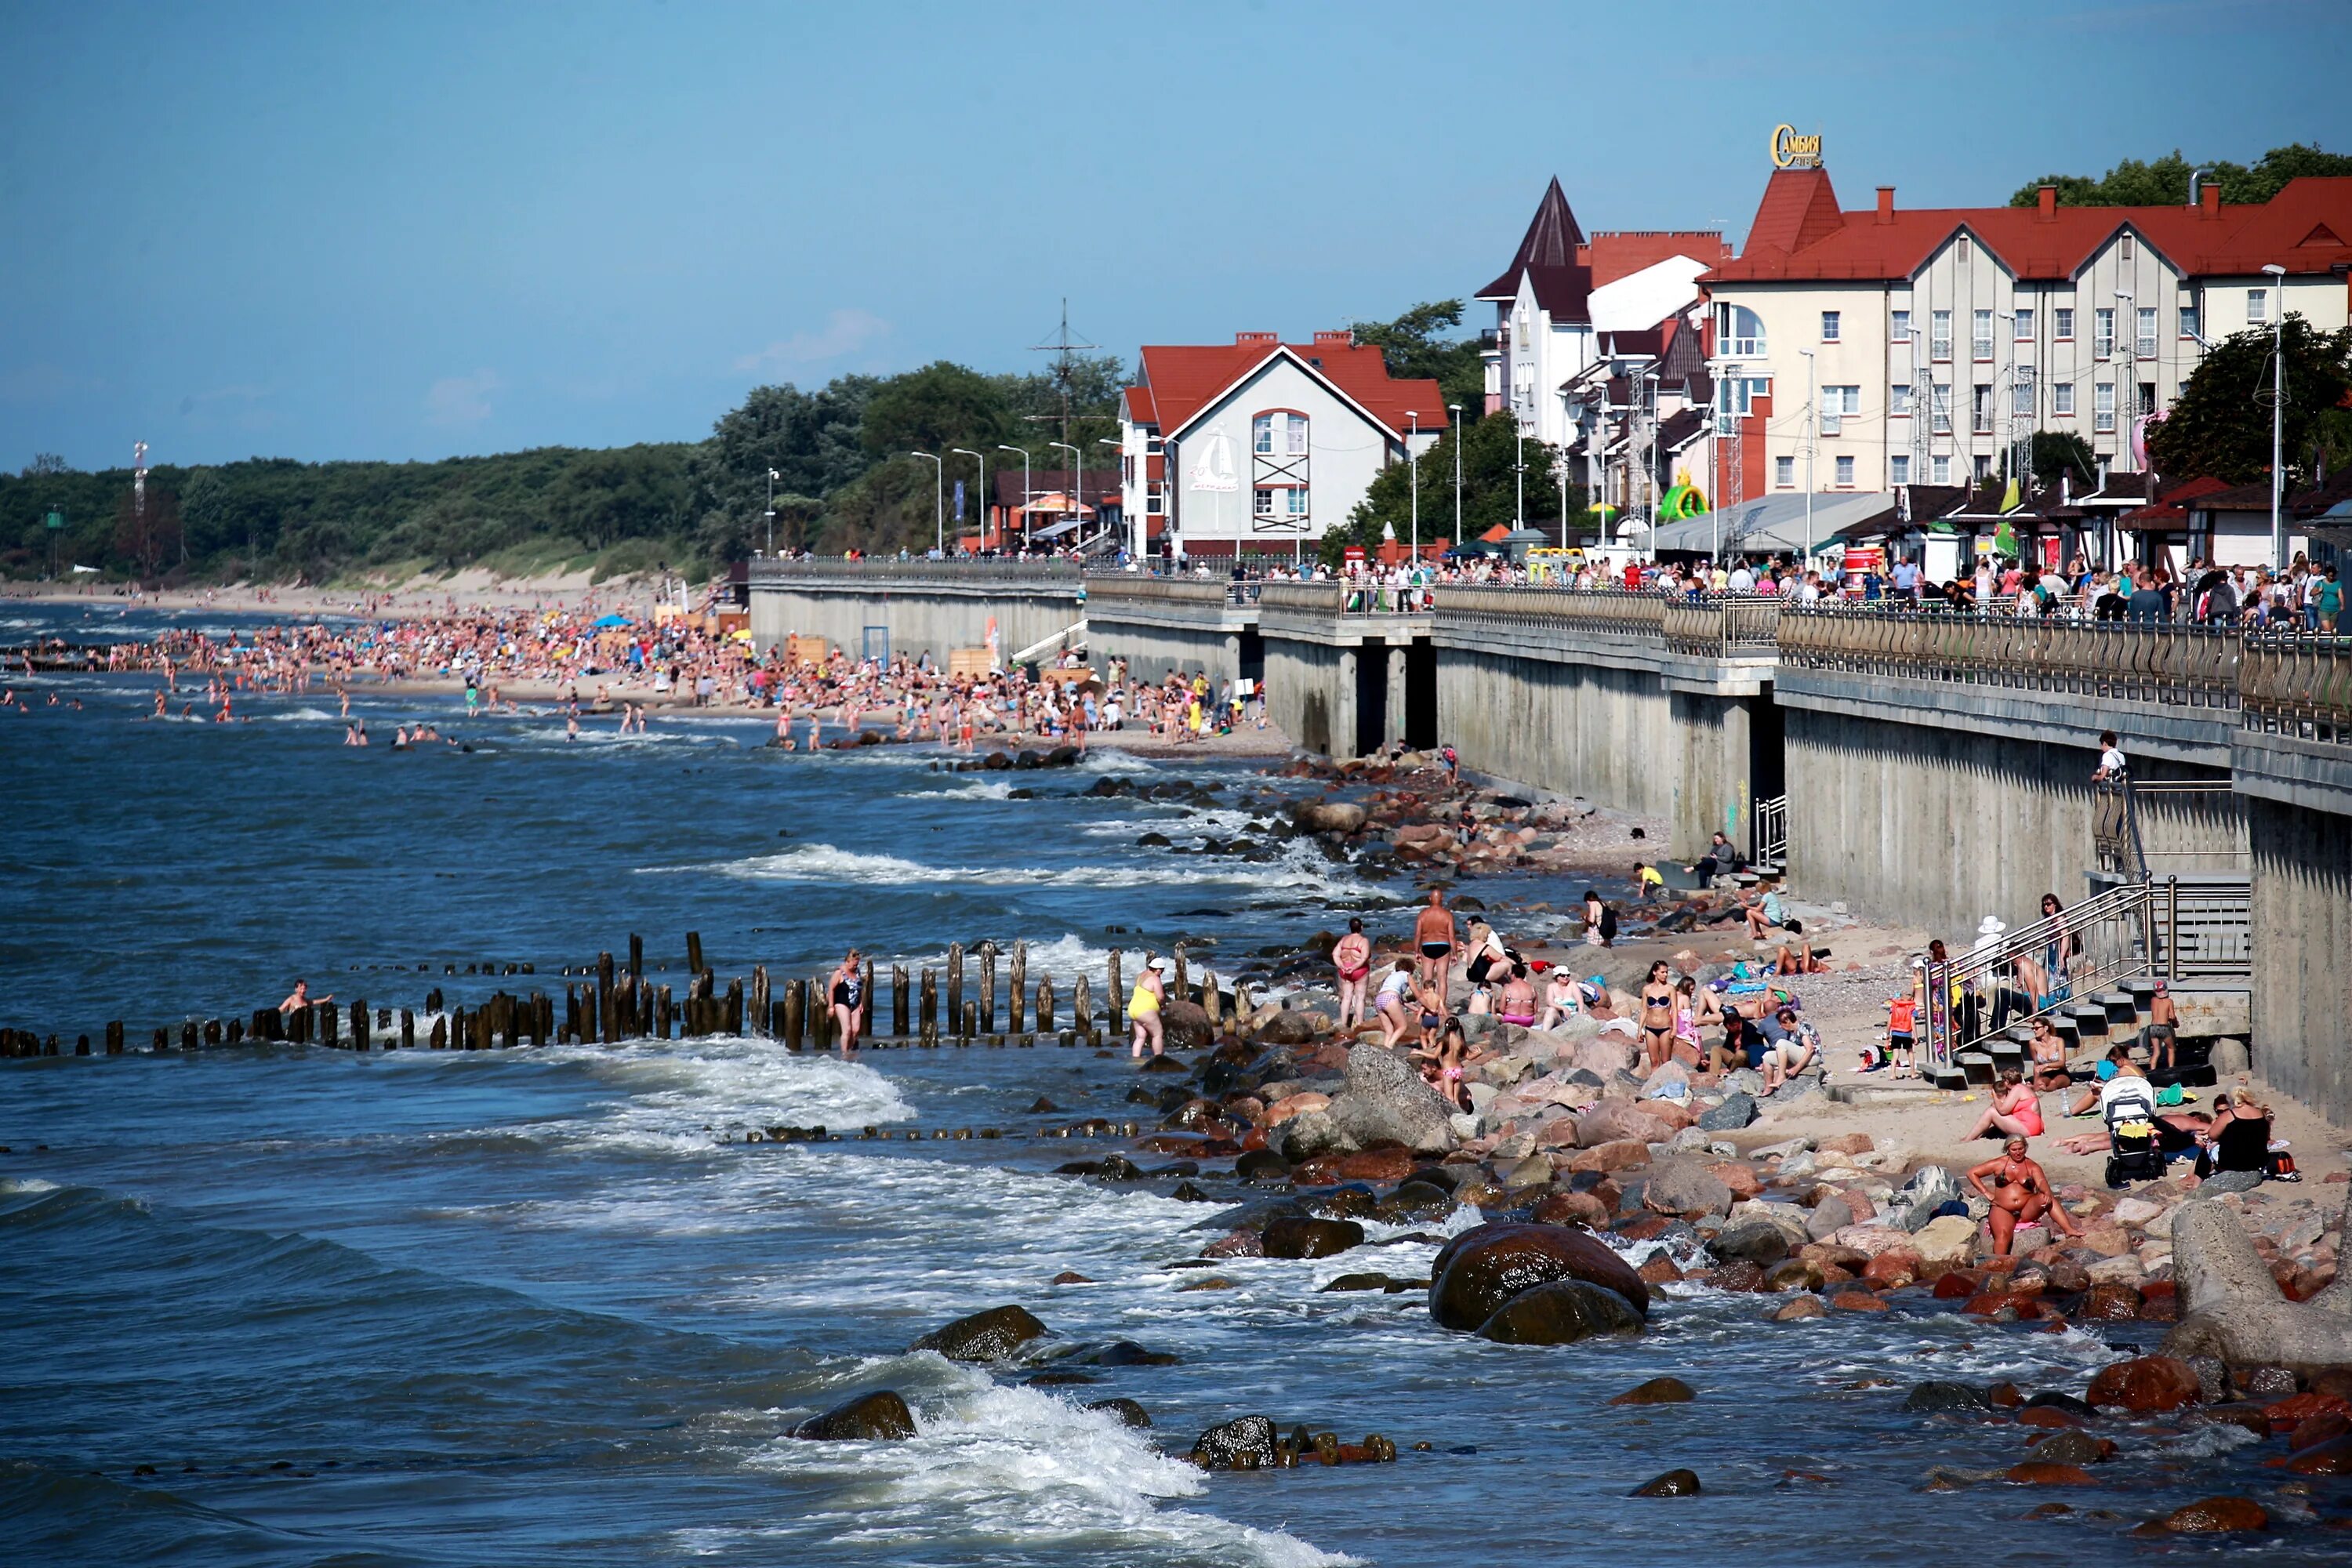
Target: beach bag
column 1608, row 923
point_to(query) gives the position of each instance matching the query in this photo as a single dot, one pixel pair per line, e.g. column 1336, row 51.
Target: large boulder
column 2147, row 1384
column 1246, row 1444
column 1736, row 1111
column 1929, row 1189
column 1297, row 1238
column 1185, row 1025
column 1560, row 1313
column 1484, row 1267
column 1686, row 1187
column 2230, row 1305
column 1617, row 1121
column 1386, row 1100
column 991, row 1335
column 1944, row 1242
column 1307, row 1133
column 1330, row 815
column 879, row 1417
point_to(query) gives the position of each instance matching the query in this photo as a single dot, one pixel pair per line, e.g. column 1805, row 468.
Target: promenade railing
column 2298, row 684
column 2180, row 666
column 993, row 576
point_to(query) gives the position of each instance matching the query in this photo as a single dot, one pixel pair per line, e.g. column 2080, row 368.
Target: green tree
column 811, row 440
column 2221, row 425
column 2063, row 453
column 1413, row 349
column 1490, row 492
column 934, row 408
column 2165, row 181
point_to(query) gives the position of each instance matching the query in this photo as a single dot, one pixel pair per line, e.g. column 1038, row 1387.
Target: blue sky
column 361, row 230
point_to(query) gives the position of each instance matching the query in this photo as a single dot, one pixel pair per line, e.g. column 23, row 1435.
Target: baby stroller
column 2134, row 1151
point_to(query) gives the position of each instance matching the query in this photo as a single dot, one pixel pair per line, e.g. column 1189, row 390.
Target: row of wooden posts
column 617, row 1004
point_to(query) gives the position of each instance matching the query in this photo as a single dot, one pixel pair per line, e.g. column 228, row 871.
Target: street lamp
column 975, row 456
column 2277, row 275
column 1413, row 461
column 773, row 478
column 1118, row 445
column 1813, row 439
column 1026, row 494
column 1078, row 484
column 1518, row 477
column 1456, row 409
column 938, row 501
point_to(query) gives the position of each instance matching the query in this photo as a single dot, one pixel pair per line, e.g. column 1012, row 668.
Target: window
column 2192, row 319
column 1942, row 467
column 1738, row 333
column 1942, row 406
column 2103, row 407
column 1296, row 501
column 1939, row 335
column 1898, row 471
column 1784, row 472
column 1898, row 400
column 1298, row 447
column 1152, row 447
column 1523, row 382
column 1983, row 467
column 1981, row 408
column 1899, row 327
column 1264, row 507
column 2025, row 325
column 2102, row 332
column 1261, row 435
column 2146, row 344
column 1982, row 338
column 1845, row 473
column 1839, row 404
column 1738, row 394
column 1153, row 504
column 2146, row 404
column 1963, row 250
column 2062, row 321
column 2062, row 400
column 2258, row 305
column 1829, row 326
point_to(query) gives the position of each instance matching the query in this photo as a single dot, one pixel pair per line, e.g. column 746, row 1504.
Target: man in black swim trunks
column 1432, row 936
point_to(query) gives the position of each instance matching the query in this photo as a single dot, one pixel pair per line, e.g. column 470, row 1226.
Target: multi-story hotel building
column 1940, row 339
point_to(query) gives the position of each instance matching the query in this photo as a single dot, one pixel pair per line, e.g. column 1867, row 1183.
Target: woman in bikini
column 2015, row 1110
column 1352, row 957
column 1518, row 999
column 2019, row 1195
column 2047, row 1053
column 1391, row 1004
column 1686, row 1022
column 1657, row 1017
column 1561, row 1000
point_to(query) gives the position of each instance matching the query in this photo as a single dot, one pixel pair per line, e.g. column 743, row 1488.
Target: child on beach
column 1902, row 1014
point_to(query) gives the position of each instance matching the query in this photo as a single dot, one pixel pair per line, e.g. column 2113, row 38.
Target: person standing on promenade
column 1434, row 938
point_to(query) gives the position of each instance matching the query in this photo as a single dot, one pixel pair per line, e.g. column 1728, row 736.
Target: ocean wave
column 825, row 864
column 1015, row 1463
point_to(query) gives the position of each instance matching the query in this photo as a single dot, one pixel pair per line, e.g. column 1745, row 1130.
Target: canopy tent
column 602, row 622
column 1054, row 503
column 1777, row 525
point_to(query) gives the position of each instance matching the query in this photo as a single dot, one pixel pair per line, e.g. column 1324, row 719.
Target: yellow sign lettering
column 1791, row 151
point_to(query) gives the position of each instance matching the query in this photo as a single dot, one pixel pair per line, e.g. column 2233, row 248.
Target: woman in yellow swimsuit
column 1143, row 1009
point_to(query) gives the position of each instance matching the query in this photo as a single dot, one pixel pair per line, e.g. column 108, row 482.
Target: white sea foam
column 823, row 863
column 1017, row 1463
column 972, row 789
column 26, row 1185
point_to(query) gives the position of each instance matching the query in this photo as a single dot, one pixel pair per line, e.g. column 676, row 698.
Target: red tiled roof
column 1799, row 232
column 1179, row 380
column 1615, row 256
column 1564, row 267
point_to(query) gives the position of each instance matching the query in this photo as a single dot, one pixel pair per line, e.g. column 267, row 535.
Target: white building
column 1262, row 445
column 1583, row 327
column 1930, row 342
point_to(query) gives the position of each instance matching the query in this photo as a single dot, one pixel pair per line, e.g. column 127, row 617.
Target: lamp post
column 1413, row 461
column 2277, row 275
column 1026, row 494
column 1813, row 434
column 1120, row 447
column 938, row 501
column 773, row 478
column 1518, row 478
column 1559, row 463
column 975, row 456
column 1077, row 480
column 1456, row 409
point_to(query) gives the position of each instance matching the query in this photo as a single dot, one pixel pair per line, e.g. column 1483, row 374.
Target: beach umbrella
column 610, row 621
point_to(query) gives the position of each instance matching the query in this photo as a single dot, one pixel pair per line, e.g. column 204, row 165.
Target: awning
column 1777, row 523
column 1057, row 530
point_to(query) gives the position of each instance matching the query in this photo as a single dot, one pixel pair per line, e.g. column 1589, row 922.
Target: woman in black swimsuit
column 848, row 999
column 1657, row 1017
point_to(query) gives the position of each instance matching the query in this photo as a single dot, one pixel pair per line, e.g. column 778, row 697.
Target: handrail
column 1053, row 576
column 2190, row 666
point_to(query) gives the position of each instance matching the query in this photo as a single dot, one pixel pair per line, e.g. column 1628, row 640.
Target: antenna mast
column 1065, row 371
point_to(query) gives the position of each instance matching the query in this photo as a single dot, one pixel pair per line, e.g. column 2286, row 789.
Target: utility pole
column 1413, row 461
column 1077, row 486
column 773, row 478
column 939, row 499
column 1813, row 427
column 1456, row 409
column 2277, row 275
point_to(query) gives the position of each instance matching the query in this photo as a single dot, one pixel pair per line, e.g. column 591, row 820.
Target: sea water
column 280, row 1305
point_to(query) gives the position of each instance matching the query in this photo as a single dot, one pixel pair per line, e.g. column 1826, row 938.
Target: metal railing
column 2171, row 930
column 2114, row 661
column 2298, row 684
column 1768, row 841
column 1608, row 610
column 1047, row 576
